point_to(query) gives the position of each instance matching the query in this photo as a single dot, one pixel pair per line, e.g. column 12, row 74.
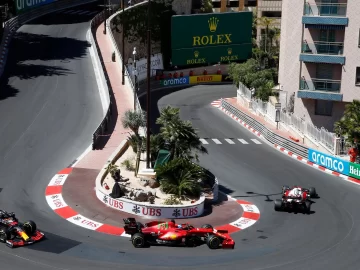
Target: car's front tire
column 29, row 227
column 213, row 242
column 4, row 235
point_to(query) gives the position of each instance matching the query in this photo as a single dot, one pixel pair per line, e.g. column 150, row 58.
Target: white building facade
column 320, row 57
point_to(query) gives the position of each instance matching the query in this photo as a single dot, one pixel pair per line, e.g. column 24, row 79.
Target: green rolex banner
column 211, row 38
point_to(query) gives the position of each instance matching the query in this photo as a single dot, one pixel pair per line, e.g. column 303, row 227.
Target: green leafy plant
column 113, row 170
column 128, row 164
column 349, row 124
column 180, row 177
column 172, row 200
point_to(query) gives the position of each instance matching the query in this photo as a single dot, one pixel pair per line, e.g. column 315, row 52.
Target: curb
column 217, row 104
column 54, row 198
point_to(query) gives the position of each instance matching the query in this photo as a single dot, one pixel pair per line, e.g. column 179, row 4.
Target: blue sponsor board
column 329, row 162
column 25, row 5
column 175, row 81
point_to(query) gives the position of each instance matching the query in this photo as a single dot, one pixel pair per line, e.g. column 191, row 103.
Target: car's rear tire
column 213, row 242
column 278, row 205
column 4, row 235
column 312, row 192
column 29, row 227
column 207, row 226
column 138, row 240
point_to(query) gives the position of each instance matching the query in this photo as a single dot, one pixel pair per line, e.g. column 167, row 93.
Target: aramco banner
column 211, row 38
column 24, row 5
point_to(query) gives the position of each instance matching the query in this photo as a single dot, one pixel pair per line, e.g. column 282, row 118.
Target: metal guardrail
column 265, row 132
column 103, row 128
column 15, row 23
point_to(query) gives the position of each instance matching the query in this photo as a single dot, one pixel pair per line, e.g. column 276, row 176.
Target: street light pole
column 105, row 17
column 135, row 75
column 148, row 90
column 123, row 43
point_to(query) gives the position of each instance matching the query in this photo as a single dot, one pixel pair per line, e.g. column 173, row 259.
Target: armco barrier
column 266, row 133
column 103, row 127
column 13, row 24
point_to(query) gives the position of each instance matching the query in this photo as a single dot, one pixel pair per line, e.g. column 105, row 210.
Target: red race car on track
column 295, row 198
column 172, row 234
column 16, row 234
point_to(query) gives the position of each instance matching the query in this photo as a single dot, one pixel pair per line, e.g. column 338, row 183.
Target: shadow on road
column 34, row 55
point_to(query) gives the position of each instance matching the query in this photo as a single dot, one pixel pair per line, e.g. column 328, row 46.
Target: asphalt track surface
column 50, row 106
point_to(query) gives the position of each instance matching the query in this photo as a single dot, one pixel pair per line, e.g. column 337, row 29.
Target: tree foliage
column 180, row 136
column 206, row 6
column 349, row 124
column 135, row 21
column 180, row 177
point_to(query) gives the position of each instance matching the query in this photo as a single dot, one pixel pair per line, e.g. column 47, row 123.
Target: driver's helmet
column 3, row 213
column 179, row 226
column 297, row 191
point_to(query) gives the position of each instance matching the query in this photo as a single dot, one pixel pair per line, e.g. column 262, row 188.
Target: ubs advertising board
column 24, row 5
column 211, row 38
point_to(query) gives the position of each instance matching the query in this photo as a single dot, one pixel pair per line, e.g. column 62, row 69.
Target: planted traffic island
column 177, row 187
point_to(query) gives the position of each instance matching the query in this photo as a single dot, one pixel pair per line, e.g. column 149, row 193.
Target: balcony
column 320, row 89
column 323, row 52
column 333, row 14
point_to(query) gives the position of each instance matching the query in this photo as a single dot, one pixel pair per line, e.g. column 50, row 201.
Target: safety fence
column 103, row 128
column 12, row 25
column 265, row 132
column 291, row 121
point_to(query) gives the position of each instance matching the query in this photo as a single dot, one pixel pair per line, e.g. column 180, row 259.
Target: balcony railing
column 321, row 47
column 330, row 9
column 323, row 85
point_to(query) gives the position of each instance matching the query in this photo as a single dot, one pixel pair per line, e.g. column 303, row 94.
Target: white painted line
column 85, row 222
column 58, row 180
column 101, row 87
column 92, row 13
column 87, row 150
column 243, row 223
column 229, row 141
column 243, row 141
column 256, row 141
column 55, row 201
column 216, row 141
column 250, row 208
column 84, row 12
column 203, row 141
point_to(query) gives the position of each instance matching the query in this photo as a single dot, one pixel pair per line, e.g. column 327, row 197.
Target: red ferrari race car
column 295, row 198
column 16, row 234
column 172, row 234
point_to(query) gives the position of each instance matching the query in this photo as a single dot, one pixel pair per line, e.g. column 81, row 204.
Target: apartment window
column 323, row 107
column 357, row 79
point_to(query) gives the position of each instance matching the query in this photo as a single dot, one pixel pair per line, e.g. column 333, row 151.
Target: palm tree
column 180, row 177
column 179, row 135
column 134, row 120
column 349, row 125
column 267, row 23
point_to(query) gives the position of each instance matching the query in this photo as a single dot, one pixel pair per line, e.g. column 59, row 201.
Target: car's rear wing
column 131, row 227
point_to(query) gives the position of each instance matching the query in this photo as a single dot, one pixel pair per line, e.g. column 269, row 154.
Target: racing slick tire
column 138, row 240
column 312, row 192
column 213, row 242
column 29, row 227
column 207, row 226
column 278, row 205
column 4, row 235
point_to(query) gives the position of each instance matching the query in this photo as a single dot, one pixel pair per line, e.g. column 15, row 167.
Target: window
column 357, row 79
column 323, row 107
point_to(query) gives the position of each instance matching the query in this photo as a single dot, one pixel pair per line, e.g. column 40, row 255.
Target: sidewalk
column 79, row 189
column 281, row 131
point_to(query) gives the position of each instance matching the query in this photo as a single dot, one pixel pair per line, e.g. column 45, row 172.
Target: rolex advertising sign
column 211, row 38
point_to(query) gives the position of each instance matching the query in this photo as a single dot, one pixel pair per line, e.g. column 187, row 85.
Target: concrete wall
column 290, row 45
column 352, row 53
